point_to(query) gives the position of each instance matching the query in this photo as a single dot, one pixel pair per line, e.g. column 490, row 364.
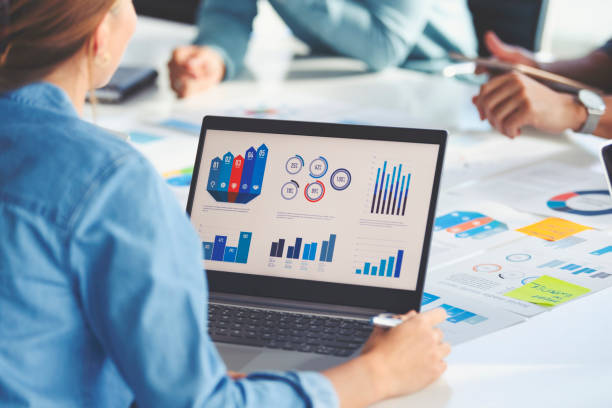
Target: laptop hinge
column 293, row 305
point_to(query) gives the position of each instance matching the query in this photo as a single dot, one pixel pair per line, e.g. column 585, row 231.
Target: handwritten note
column 553, row 229
column 547, row 291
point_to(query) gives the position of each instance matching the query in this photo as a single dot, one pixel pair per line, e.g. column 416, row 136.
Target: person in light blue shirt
column 102, row 294
column 381, row 33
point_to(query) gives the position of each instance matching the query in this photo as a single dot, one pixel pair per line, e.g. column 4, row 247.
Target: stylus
column 386, row 320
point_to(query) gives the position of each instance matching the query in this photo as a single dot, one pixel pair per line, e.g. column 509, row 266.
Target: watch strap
column 591, row 123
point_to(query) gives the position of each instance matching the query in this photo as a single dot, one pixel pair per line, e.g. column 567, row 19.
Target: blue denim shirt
column 102, row 295
column 382, row 33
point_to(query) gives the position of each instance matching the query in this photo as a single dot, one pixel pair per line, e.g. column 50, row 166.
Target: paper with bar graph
column 467, row 318
column 583, row 259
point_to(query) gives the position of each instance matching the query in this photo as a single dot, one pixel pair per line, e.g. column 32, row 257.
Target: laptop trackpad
column 237, row 357
column 279, row 360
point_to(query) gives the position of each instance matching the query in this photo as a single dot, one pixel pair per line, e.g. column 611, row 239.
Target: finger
column 501, row 112
column 445, row 350
column 435, row 316
column 406, row 316
column 439, row 335
column 500, row 49
column 491, row 101
column 515, row 121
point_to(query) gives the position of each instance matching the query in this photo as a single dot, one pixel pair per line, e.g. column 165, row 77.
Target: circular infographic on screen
column 314, row 191
column 588, row 203
column 487, row 268
column 518, row 258
column 340, row 179
column 294, row 165
column 290, row 190
column 318, row 167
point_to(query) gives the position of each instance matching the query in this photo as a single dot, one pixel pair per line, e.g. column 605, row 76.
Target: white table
column 561, row 359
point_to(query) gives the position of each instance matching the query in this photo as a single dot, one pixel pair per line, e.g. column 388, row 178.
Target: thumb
column 500, row 49
column 196, row 62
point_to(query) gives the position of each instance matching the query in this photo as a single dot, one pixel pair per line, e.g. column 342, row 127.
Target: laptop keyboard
column 287, row 331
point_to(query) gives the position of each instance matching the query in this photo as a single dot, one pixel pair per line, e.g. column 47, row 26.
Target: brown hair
column 42, row 34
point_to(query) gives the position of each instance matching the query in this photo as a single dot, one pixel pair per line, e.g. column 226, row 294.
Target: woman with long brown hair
column 102, row 296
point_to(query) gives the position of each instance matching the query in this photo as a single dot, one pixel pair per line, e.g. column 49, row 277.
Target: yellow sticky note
column 553, row 229
column 547, row 291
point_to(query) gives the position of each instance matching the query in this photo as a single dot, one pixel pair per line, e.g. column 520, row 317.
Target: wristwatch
column 595, row 107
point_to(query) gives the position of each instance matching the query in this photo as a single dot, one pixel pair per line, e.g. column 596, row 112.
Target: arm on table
column 137, row 265
column 380, row 33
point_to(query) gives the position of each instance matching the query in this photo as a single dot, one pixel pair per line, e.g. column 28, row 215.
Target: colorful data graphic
column 309, row 253
column 238, row 179
column 455, row 314
column 465, row 224
column 219, row 250
column 593, row 202
column 179, row 178
column 390, row 267
column 602, row 251
column 390, row 191
column 575, row 269
column 314, row 190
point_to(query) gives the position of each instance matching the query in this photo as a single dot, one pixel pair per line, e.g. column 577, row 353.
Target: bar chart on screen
column 302, row 250
column 389, row 194
column 221, row 250
column 380, row 259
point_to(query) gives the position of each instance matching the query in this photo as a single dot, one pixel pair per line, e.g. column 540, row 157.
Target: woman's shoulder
column 56, row 160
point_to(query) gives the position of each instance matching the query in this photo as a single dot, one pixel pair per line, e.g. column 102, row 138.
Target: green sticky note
column 547, row 291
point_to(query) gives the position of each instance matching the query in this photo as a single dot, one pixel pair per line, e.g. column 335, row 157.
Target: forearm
column 356, row 383
column 227, row 26
column 595, row 69
column 381, row 34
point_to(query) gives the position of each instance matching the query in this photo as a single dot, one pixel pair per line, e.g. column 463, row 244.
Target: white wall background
column 574, row 27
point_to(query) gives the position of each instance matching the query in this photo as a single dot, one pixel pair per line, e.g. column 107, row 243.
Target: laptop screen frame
column 290, row 289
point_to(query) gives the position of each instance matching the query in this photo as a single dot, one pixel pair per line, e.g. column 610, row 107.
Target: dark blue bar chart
column 390, row 267
column 390, row 190
column 305, row 251
column 219, row 250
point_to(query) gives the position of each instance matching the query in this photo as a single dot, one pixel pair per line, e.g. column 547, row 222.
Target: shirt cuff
column 230, row 69
column 319, row 388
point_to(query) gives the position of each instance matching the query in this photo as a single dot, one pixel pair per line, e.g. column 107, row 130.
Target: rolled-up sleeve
column 380, row 33
column 136, row 264
column 226, row 26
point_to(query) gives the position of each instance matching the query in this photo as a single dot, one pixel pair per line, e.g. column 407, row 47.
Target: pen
column 386, row 320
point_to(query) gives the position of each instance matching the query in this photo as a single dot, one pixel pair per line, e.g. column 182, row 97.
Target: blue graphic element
column 220, row 251
column 559, row 203
column 602, row 251
column 387, row 266
column 318, row 167
column 389, row 192
column 428, row 298
column 249, row 176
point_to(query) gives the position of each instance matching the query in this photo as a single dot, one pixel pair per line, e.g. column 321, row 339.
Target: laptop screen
column 349, row 211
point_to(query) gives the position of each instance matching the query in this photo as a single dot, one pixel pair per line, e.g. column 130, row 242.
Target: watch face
column 591, row 100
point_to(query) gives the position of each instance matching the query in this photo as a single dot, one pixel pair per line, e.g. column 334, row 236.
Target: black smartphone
column 125, row 82
column 606, row 158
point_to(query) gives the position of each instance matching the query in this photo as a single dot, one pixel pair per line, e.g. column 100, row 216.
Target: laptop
column 308, row 230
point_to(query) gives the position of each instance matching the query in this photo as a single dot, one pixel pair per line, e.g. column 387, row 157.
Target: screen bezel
column 392, row 300
column 606, row 159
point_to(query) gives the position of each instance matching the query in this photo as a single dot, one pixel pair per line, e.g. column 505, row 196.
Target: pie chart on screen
column 587, row 203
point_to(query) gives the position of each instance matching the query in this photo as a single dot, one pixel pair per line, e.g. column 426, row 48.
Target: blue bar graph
column 428, row 298
column 313, row 251
column 552, row 264
column 230, row 254
column 571, row 267
column 308, row 252
column 390, row 194
column 584, row 270
column 387, row 267
column 219, row 250
column 602, row 251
